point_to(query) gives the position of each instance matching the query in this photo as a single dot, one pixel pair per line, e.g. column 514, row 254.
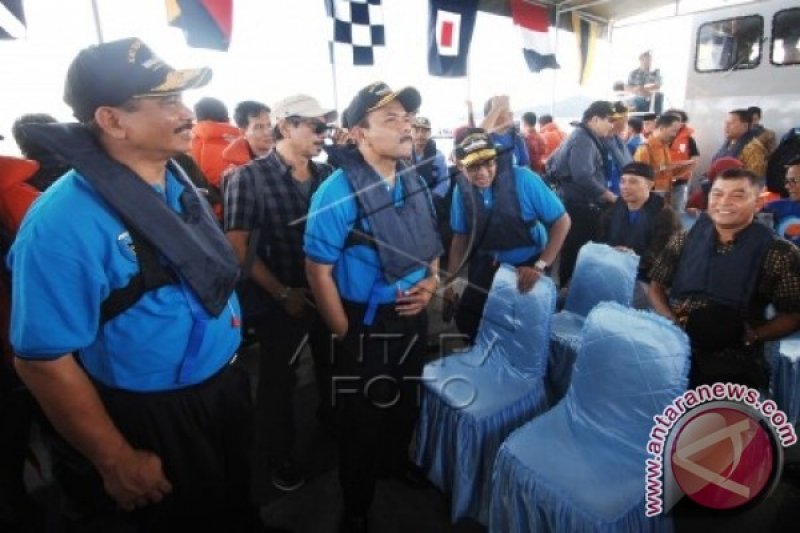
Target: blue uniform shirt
column 357, row 269
column 70, row 252
column 536, row 200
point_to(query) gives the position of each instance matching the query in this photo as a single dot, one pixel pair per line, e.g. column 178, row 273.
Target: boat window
column 730, row 44
column 786, row 37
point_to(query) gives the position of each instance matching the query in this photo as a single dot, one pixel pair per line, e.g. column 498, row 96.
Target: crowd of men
column 164, row 234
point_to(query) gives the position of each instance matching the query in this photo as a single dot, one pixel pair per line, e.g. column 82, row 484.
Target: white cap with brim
column 303, row 106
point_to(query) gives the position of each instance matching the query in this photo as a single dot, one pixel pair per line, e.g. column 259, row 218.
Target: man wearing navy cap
column 372, row 252
column 124, row 320
column 501, row 213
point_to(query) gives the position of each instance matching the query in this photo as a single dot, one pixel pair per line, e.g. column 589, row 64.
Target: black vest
column 406, row 237
column 729, row 279
column 638, row 235
column 735, row 150
column 500, row 227
column 426, row 167
column 191, row 242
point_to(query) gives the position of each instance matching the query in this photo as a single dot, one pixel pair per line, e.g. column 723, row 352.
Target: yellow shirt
column 754, row 157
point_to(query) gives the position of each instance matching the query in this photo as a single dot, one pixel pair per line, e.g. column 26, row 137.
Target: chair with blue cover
column 471, row 401
column 784, row 359
column 602, row 274
column 580, row 466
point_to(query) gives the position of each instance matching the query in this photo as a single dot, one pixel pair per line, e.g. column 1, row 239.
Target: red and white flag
column 534, row 24
column 450, row 25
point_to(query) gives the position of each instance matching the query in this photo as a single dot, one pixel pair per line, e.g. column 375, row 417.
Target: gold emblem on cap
column 133, row 50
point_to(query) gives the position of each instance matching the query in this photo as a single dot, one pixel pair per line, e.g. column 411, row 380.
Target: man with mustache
column 284, row 179
column 717, row 279
column 372, row 251
column 124, row 320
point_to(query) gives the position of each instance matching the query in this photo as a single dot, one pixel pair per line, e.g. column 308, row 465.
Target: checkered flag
column 357, row 24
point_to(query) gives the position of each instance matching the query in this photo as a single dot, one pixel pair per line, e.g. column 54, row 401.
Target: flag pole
column 555, row 70
column 330, row 11
column 334, row 77
column 470, row 116
column 97, row 28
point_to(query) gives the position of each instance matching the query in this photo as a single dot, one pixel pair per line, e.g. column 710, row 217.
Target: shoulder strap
column 152, row 275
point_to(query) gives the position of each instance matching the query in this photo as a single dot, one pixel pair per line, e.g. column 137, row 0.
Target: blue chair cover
column 472, row 401
column 602, row 274
column 784, row 358
column 581, row 466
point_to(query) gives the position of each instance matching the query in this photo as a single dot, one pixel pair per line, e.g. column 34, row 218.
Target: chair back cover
column 630, row 366
column 602, row 274
column 517, row 326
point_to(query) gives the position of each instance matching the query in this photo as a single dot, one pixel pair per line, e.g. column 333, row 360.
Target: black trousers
column 377, row 391
column 202, row 434
column 745, row 365
column 18, row 410
column 584, row 219
column 482, row 269
column 281, row 339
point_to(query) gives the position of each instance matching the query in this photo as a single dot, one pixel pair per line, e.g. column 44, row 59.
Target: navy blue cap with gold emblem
column 110, row 74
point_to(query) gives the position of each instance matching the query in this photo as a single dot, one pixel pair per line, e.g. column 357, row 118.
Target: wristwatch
column 284, row 294
column 542, row 266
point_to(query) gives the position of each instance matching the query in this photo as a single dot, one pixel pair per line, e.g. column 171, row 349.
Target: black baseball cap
column 638, row 169
column 475, row 146
column 110, row 74
column 375, row 96
column 792, row 161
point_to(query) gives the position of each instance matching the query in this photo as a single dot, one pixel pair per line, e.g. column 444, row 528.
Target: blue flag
column 450, row 25
column 12, row 19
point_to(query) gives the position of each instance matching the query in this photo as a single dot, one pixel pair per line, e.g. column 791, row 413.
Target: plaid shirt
column 639, row 77
column 779, row 278
column 284, row 204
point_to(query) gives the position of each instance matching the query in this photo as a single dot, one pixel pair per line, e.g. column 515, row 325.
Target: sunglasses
column 317, row 126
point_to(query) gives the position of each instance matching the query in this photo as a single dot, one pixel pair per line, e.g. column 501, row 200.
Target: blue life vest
column 734, row 150
column 501, row 226
column 406, row 236
column 729, row 279
column 427, row 167
column 191, row 241
column 635, row 236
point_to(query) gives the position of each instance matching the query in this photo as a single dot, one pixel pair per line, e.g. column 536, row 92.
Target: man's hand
column 341, row 136
column 414, row 300
column 135, row 479
column 450, row 298
column 526, row 278
column 296, row 302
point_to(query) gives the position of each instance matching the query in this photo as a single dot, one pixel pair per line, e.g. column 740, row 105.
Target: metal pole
column 470, row 109
column 333, row 75
column 97, row 28
column 555, row 70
